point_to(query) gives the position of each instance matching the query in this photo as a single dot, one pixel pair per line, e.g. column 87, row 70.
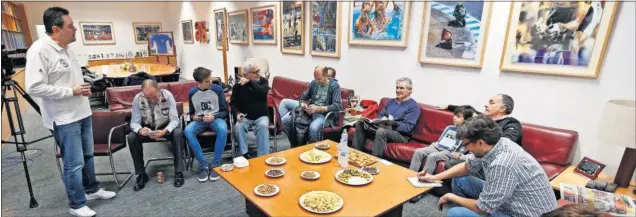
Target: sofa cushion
column 287, row 88
column 552, row 170
column 431, row 123
column 180, row 89
column 122, row 95
column 547, row 144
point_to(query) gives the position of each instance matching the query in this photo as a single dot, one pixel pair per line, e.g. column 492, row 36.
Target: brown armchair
column 109, row 136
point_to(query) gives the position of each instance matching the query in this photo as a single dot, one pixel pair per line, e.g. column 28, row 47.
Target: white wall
column 556, row 101
column 121, row 14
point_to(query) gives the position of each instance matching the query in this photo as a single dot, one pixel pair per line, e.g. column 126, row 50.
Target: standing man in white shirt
column 53, row 74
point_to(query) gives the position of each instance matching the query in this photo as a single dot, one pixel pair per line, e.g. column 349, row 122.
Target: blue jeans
column 261, row 129
column 197, row 127
column 315, row 127
column 468, row 187
column 287, row 105
column 76, row 146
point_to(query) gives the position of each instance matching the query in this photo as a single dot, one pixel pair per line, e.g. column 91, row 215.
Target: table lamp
column 618, row 127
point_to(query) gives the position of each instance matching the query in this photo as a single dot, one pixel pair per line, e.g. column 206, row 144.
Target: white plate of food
column 274, row 173
column 322, row 146
column 371, row 170
column 275, row 161
column 321, row 202
column 315, row 156
column 266, row 190
column 353, row 177
column 310, row 175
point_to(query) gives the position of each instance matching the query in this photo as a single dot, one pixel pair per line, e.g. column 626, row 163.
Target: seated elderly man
column 323, row 95
column 154, row 116
column 402, row 109
column 516, row 186
column 249, row 103
column 499, row 108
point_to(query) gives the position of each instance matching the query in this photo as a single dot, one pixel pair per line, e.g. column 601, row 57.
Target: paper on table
column 416, row 183
column 386, row 162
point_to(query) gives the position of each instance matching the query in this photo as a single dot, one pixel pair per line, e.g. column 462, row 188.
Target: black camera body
column 7, row 65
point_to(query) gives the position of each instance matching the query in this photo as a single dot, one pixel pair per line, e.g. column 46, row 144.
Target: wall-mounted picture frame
column 539, row 40
column 325, row 28
column 161, row 44
column 237, row 22
column 292, row 28
column 97, row 33
column 589, row 168
column 187, row 31
column 220, row 24
column 202, row 32
column 263, row 24
column 141, row 30
column 454, row 33
column 379, row 23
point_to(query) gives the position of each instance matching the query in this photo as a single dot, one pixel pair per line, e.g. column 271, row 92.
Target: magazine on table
column 614, row 204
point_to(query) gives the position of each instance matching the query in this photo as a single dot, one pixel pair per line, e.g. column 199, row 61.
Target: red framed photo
column 589, row 168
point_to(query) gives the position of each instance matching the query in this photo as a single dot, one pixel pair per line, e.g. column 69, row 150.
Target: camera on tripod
column 7, row 65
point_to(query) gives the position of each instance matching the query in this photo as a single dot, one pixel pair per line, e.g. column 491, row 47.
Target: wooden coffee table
column 383, row 196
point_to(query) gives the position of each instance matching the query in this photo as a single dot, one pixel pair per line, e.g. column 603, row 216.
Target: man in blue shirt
column 208, row 109
column 403, row 110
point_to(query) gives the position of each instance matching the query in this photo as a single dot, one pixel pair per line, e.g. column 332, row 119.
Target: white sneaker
column 83, row 212
column 101, row 194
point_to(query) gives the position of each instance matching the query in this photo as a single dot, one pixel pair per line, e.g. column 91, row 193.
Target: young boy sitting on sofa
column 446, row 147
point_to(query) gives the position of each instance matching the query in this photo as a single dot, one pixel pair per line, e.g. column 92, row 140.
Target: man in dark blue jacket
column 402, row 109
column 323, row 95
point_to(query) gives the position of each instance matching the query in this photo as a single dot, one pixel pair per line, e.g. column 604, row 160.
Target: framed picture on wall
column 97, row 33
column 201, row 33
column 559, row 38
column 379, row 23
column 454, row 33
column 237, row 22
column 325, row 28
column 292, row 16
column 161, row 44
column 263, row 24
column 141, row 31
column 186, row 30
column 220, row 20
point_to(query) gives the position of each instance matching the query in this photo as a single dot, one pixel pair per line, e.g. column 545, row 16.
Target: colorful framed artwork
column 558, row 38
column 263, row 25
column 142, row 29
column 186, row 30
column 237, row 21
column 325, row 28
column 201, row 33
column 161, row 44
column 454, row 33
column 589, row 168
column 97, row 33
column 379, row 23
column 220, row 20
column 292, row 16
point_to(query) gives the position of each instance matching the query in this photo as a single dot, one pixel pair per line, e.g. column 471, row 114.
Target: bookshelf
column 15, row 32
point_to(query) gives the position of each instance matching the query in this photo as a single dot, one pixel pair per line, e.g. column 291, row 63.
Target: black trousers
column 135, row 142
column 381, row 137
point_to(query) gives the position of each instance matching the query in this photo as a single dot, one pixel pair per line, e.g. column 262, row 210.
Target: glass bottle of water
column 343, row 150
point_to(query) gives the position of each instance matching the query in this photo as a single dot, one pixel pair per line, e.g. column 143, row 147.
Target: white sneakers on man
column 83, row 212
column 101, row 194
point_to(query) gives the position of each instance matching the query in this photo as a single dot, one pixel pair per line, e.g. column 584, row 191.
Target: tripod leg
column 28, row 98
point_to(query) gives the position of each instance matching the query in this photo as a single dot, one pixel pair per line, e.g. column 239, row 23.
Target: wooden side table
column 570, row 177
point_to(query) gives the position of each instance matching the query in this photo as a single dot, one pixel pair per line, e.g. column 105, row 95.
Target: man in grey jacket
column 154, row 116
column 323, row 95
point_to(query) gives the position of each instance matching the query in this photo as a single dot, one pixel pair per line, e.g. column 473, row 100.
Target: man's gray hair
column 508, row 102
column 247, row 66
column 149, row 83
column 405, row 80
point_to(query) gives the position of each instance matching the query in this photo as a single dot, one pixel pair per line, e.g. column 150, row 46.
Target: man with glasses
column 249, row 104
column 323, row 95
column 516, row 186
column 403, row 110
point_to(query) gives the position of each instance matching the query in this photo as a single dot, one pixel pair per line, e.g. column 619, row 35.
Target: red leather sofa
column 120, row 98
column 283, row 87
column 551, row 147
